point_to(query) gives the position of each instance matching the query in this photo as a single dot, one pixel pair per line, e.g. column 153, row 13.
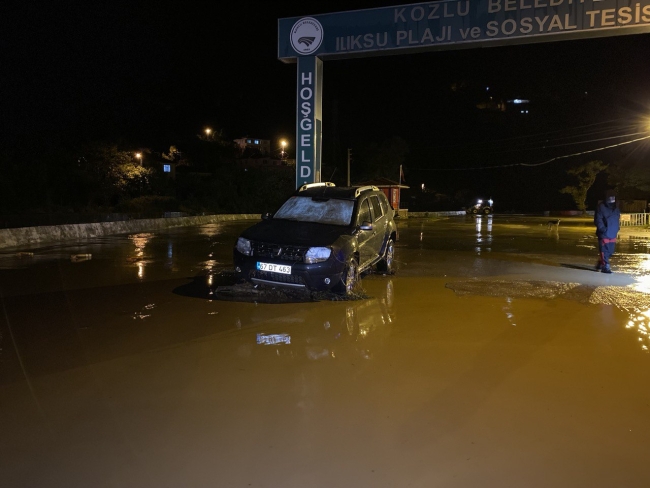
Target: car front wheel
column 385, row 265
column 350, row 278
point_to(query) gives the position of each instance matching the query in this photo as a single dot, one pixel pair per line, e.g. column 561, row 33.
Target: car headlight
column 244, row 246
column 317, row 255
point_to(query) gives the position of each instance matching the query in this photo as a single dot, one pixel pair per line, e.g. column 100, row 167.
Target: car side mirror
column 267, row 216
column 365, row 226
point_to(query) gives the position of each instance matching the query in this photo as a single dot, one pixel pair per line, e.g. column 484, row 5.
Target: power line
column 546, row 146
column 536, row 164
column 507, row 139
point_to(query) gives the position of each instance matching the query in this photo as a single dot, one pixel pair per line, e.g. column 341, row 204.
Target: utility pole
column 349, row 159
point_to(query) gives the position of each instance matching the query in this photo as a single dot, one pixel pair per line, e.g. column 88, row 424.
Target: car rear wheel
column 475, row 211
column 486, row 211
column 385, row 265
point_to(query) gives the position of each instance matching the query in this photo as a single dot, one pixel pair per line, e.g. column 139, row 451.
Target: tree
column 586, row 175
column 110, row 174
column 630, row 176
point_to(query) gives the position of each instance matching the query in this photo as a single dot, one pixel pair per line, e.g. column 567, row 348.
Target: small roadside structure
column 392, row 190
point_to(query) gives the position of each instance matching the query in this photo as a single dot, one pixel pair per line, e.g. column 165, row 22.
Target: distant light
column 208, row 131
column 480, row 201
column 284, row 144
column 487, row 88
column 256, row 141
column 518, row 101
column 138, row 155
column 422, row 186
column 167, row 168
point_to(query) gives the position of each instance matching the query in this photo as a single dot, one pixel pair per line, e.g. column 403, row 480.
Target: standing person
column 607, row 219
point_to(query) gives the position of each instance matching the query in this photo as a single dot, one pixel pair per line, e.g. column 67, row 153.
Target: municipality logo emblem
column 306, row 35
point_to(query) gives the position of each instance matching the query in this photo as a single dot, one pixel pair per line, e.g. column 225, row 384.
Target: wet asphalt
column 494, row 357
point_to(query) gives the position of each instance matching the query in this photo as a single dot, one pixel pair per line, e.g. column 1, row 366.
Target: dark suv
column 321, row 239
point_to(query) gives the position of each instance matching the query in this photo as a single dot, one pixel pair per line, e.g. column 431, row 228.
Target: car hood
column 288, row 232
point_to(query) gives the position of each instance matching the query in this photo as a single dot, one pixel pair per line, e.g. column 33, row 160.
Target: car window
column 364, row 212
column 326, row 211
column 385, row 205
column 376, row 208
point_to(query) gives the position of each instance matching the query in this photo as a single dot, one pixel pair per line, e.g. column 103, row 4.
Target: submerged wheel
column 475, row 210
column 350, row 278
column 385, row 265
column 487, row 211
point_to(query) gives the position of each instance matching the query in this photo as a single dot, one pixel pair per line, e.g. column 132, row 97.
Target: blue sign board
column 429, row 26
column 452, row 24
column 308, row 122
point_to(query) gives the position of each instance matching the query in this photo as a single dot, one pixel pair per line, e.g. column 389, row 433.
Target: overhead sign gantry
column 431, row 26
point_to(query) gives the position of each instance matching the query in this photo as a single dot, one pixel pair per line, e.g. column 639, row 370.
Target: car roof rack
column 361, row 189
column 326, row 184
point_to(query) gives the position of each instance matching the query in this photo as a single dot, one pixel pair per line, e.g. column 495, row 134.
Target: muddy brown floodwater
column 493, row 358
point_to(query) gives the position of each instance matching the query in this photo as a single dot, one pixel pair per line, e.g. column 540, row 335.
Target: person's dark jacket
column 607, row 219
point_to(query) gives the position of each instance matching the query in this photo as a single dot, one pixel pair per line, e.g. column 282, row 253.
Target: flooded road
column 492, row 358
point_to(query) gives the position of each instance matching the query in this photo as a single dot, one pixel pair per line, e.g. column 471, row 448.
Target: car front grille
column 277, row 277
column 276, row 251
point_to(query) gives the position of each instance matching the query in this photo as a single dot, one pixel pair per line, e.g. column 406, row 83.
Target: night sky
column 154, row 74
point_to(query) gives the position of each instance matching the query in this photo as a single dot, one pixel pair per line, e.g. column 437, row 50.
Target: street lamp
column 138, row 156
column 208, row 131
column 283, row 144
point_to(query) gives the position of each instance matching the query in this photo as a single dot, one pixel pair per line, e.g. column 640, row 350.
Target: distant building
column 261, row 145
column 392, row 190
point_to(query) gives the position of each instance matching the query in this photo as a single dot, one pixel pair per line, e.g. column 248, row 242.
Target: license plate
column 272, row 339
column 274, row 268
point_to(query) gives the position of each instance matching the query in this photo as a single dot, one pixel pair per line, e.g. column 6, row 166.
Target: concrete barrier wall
column 26, row 236
column 435, row 214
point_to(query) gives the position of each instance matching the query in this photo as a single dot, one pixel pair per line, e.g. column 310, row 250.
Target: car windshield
column 323, row 211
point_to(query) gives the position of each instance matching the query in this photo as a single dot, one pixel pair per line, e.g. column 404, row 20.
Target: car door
column 364, row 237
column 379, row 227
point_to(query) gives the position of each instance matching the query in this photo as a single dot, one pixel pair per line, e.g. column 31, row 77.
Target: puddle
column 512, row 289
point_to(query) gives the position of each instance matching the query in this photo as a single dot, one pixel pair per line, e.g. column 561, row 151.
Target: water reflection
column 169, row 262
column 350, row 329
column 509, row 312
column 635, row 300
column 483, row 239
column 640, row 322
column 137, row 257
column 211, row 230
column 211, row 267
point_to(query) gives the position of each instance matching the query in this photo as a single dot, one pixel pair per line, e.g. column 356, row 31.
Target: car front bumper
column 316, row 277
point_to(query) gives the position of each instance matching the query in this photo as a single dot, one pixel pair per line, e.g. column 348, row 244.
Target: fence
column 635, row 219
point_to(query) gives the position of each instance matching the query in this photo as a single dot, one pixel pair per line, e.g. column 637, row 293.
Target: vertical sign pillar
column 309, row 120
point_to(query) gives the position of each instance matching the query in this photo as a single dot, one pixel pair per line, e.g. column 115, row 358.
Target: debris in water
column 80, row 257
